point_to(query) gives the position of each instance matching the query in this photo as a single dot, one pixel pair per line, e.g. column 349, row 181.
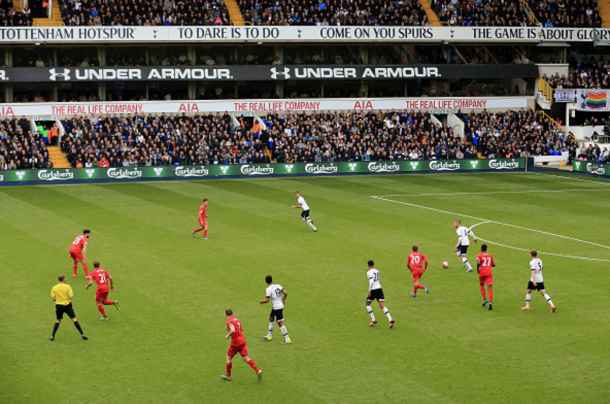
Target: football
column 445, row 264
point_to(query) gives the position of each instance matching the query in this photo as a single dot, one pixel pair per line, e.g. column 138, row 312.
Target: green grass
column 167, row 342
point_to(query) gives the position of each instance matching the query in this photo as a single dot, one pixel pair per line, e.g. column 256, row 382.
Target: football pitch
column 167, row 343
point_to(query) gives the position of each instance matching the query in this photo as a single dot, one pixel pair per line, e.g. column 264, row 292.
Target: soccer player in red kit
column 78, row 252
column 238, row 344
column 202, row 221
column 415, row 264
column 102, row 277
column 484, row 264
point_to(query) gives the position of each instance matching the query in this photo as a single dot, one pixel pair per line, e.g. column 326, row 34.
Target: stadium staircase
column 235, row 13
column 544, row 96
column 604, row 12
column 268, row 153
column 432, row 17
column 54, row 21
column 58, row 158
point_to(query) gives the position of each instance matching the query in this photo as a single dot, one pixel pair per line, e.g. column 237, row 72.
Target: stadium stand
column 11, row 17
column 144, row 13
column 481, row 12
column 122, row 141
column 333, row 12
column 586, row 73
column 19, row 148
column 567, row 13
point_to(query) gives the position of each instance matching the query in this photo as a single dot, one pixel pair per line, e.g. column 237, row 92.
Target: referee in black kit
column 61, row 294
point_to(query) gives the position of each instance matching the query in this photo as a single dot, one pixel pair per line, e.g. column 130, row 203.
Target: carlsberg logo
column 352, row 166
column 20, row 174
column 123, row 173
column 90, row 172
column 414, row 164
column 158, row 170
column 55, row 175
column 320, row 169
column 444, row 165
column 577, row 164
column 224, row 169
column 289, row 167
column 475, row 163
column 249, row 170
column 593, row 169
column 383, row 167
column 193, row 171
column 503, row 165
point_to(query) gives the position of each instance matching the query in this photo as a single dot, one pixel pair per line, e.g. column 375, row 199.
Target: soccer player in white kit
column 536, row 282
column 277, row 295
column 376, row 292
column 302, row 203
column 463, row 242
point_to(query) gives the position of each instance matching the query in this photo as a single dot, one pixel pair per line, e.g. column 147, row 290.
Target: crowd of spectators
column 152, row 140
column 586, row 73
column 19, row 148
column 144, row 12
column 507, row 13
column 10, row 17
column 567, row 13
column 333, row 12
column 515, row 134
column 594, row 154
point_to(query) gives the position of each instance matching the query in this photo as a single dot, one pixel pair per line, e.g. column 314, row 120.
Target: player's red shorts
column 486, row 278
column 101, row 295
column 416, row 275
column 76, row 255
column 202, row 222
column 234, row 349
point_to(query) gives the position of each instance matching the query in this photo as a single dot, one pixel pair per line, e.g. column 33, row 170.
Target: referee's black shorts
column 60, row 309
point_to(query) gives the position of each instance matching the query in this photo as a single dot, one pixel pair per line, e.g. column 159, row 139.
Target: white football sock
column 311, row 225
column 387, row 313
column 370, row 310
column 548, row 299
column 528, row 299
column 458, row 253
column 285, row 332
column 271, row 327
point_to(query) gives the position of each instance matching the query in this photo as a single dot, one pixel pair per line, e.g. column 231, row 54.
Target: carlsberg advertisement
column 591, row 168
column 261, row 170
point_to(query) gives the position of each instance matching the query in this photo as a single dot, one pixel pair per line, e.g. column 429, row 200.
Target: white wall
column 581, row 132
column 551, row 69
column 456, row 124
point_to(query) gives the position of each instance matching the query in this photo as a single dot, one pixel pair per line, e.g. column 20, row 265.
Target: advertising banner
column 261, row 73
column 592, row 100
column 281, row 105
column 255, row 170
column 591, row 168
column 322, row 34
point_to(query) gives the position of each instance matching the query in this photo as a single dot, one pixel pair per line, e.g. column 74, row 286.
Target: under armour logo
column 414, row 164
column 352, row 166
column 54, row 74
column 289, row 167
column 90, row 172
column 20, row 174
column 158, row 170
column 275, row 73
column 224, row 169
column 474, row 163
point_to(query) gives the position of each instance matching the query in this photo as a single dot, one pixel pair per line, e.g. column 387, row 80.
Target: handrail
column 530, row 13
column 554, row 122
column 546, row 90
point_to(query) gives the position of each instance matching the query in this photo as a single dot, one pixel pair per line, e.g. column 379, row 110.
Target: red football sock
column 101, row 308
column 418, row 286
column 251, row 363
column 205, row 233
column 491, row 295
column 75, row 266
column 85, row 268
column 415, row 290
column 229, row 365
column 198, row 230
column 483, row 291
column 107, row 302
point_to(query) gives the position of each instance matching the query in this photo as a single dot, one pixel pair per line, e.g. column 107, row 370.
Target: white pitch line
column 571, row 178
column 493, row 221
column 532, row 191
column 542, row 252
column 478, row 224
